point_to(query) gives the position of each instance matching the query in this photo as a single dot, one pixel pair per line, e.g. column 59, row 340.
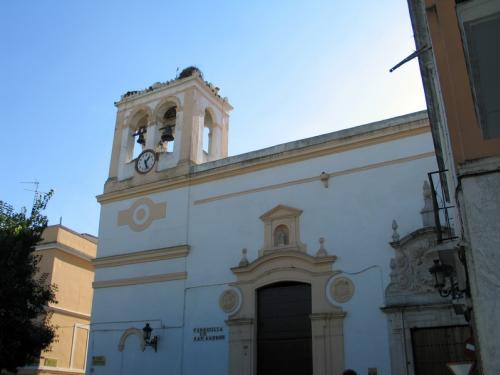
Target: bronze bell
column 140, row 136
column 167, row 135
column 140, row 139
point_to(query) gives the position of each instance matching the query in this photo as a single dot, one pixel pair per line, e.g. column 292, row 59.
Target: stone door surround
column 326, row 319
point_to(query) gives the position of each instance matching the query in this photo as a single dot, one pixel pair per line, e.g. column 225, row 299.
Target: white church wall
column 133, row 361
column 164, row 232
column 353, row 214
column 118, row 309
column 161, row 300
column 141, row 269
column 202, row 311
column 365, row 325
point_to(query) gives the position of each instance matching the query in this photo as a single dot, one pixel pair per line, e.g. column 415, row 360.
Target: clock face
column 145, row 161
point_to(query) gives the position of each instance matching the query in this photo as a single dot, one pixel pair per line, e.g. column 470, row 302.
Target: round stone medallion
column 141, row 214
column 342, row 289
column 229, row 301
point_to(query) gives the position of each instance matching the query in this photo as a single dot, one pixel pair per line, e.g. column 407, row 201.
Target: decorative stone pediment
column 283, row 261
column 279, row 212
column 411, row 283
column 282, row 230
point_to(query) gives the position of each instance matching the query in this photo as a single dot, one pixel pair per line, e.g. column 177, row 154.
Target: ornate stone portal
column 286, row 263
column 411, row 299
column 411, row 281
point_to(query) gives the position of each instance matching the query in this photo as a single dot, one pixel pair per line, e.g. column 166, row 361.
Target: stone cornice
column 64, row 248
column 479, row 166
column 50, row 370
column 423, row 232
column 203, row 86
column 86, row 236
column 239, row 321
column 418, row 307
column 142, row 256
column 241, row 164
column 287, row 254
column 328, row 315
column 140, row 280
column 63, row 311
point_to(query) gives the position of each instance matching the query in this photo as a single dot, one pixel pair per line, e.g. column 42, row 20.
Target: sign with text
column 99, row 360
column 208, row 334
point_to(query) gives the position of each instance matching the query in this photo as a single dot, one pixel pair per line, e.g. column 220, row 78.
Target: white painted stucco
column 353, row 215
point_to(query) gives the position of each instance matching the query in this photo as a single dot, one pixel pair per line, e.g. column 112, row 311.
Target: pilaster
column 117, row 141
column 328, row 343
column 184, row 142
column 241, row 346
column 152, row 138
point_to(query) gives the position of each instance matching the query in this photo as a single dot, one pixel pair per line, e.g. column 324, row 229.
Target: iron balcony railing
column 442, row 206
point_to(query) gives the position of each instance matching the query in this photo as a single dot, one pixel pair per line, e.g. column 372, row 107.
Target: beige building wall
column 66, row 258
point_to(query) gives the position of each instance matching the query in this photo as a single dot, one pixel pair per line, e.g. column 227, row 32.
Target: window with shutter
column 481, row 31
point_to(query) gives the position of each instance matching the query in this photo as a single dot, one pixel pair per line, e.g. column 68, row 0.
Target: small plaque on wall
column 207, row 334
column 99, row 360
column 50, row 362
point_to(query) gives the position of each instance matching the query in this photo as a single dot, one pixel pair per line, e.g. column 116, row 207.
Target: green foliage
column 24, row 293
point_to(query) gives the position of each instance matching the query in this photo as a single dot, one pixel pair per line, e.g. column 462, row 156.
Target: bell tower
column 164, row 129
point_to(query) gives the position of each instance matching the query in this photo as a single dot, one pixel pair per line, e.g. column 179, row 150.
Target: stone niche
column 281, row 230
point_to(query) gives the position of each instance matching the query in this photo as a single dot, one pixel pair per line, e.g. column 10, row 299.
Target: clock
column 145, row 161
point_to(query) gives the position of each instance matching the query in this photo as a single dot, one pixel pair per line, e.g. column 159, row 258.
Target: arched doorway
column 284, row 344
column 270, row 270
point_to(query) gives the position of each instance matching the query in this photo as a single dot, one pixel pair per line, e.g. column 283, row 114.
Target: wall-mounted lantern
column 445, row 281
column 447, row 284
column 153, row 342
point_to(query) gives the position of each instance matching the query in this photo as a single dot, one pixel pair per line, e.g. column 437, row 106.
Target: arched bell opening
column 167, row 129
column 139, row 129
column 208, row 124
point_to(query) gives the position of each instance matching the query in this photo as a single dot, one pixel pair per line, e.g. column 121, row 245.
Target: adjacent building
column 458, row 43
column 66, row 257
column 307, row 257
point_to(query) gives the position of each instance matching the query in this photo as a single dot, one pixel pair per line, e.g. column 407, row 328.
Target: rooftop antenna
column 177, row 72
column 36, row 183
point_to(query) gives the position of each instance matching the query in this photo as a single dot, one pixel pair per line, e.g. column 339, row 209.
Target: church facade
column 307, row 257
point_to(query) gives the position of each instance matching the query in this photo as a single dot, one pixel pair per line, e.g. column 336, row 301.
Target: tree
column 25, row 329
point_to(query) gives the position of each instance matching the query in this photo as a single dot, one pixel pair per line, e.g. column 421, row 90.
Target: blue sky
column 291, row 69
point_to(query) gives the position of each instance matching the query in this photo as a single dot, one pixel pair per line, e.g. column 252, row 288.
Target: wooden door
column 434, row 347
column 284, row 345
